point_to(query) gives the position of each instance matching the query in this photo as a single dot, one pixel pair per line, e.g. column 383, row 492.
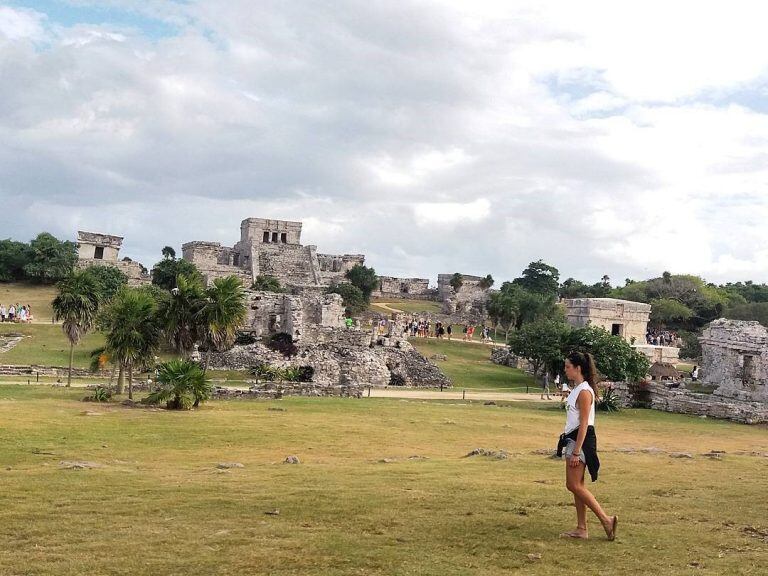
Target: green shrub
column 609, row 401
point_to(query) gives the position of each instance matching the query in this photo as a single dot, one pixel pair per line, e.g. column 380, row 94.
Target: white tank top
column 572, row 420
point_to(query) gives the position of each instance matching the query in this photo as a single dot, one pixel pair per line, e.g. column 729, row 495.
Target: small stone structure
column 270, row 247
column 618, row 317
column 411, row 288
column 735, row 359
column 94, row 249
column 470, row 299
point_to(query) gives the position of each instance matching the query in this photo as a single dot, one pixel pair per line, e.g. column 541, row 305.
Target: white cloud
column 599, row 137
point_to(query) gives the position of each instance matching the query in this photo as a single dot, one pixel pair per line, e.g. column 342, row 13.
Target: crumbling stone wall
column 414, row 288
column 333, row 267
column 273, row 312
column 682, row 401
column 735, row 359
column 471, row 299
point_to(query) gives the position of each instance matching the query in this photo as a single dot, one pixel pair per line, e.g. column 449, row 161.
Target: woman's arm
column 584, row 402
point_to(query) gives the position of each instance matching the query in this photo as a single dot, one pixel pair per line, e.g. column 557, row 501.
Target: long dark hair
column 586, row 362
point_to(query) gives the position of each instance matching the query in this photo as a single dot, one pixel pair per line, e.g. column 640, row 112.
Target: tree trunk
column 130, row 381
column 120, row 379
column 71, row 358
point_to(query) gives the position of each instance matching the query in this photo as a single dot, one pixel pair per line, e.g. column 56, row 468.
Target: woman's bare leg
column 575, row 484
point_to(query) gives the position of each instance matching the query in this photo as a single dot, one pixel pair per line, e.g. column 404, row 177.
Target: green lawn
column 157, row 504
column 469, row 365
column 37, row 296
column 46, row 345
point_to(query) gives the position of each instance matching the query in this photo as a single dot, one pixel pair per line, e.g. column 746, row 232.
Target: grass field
column 410, row 306
column 469, row 366
column 37, row 296
column 157, row 504
column 45, row 344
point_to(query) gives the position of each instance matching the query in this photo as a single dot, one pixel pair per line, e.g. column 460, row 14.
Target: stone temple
column 95, row 249
column 274, row 248
column 623, row 318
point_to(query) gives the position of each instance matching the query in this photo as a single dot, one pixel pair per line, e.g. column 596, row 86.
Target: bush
column 353, row 297
column 609, row 401
column 640, row 394
column 267, row 283
column 100, row 394
column 396, row 380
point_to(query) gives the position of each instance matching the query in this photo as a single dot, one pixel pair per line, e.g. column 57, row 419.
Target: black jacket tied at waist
column 589, row 449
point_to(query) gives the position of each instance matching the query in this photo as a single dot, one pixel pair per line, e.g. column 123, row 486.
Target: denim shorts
column 568, row 451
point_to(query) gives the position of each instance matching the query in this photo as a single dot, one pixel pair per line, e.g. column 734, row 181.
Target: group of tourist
column 16, row 313
column 661, row 338
column 424, row 328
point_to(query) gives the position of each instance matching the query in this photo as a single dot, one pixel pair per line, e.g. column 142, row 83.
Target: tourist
column 348, row 322
column 29, row 313
column 579, row 444
column 470, row 332
column 449, row 331
column 3, row 312
column 12, row 313
column 465, row 329
column 23, row 315
column 695, row 374
column 564, row 390
column 545, row 385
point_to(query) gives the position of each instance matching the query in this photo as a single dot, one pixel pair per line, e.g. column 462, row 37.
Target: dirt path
column 457, row 394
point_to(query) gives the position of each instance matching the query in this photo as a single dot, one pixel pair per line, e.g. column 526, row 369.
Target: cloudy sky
column 603, row 137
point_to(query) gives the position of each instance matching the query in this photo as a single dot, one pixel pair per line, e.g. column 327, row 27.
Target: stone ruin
column 270, row 247
column 735, row 359
column 343, row 358
column 94, row 249
column 468, row 302
column 623, row 318
column 409, row 288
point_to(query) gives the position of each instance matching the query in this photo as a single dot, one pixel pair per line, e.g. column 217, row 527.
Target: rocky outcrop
column 343, row 357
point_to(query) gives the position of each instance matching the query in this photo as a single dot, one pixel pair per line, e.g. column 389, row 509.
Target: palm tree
column 133, row 332
column 76, row 306
column 222, row 313
column 182, row 384
column 180, row 315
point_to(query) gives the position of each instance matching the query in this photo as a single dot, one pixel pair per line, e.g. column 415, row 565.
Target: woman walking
column 579, row 443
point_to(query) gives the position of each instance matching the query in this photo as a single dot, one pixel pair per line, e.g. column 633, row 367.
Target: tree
column 182, row 384
column 222, row 313
column 364, row 279
column 352, row 296
column 486, row 283
column 13, row 256
column 572, row 288
column 76, row 306
column 50, row 259
column 169, row 253
column 165, row 272
column 180, row 314
column 504, row 307
column 267, row 283
column 456, row 281
column 614, row 357
column 109, row 279
column 540, row 342
column 539, row 278
column 669, row 312
column 133, row 332
column 753, row 311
